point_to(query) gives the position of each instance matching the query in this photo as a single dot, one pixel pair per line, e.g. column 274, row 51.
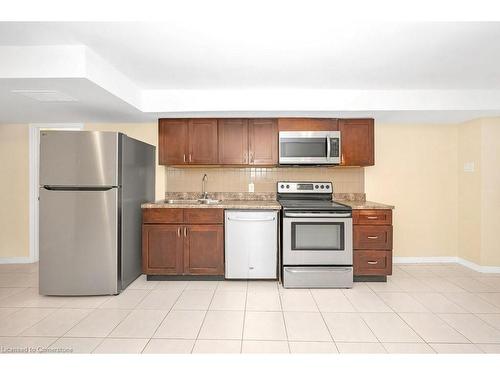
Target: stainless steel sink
column 193, row 201
column 209, row 201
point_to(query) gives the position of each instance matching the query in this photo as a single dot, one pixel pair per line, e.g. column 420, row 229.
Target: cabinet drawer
column 203, row 215
column 372, row 237
column 372, row 262
column 372, row 217
column 162, row 215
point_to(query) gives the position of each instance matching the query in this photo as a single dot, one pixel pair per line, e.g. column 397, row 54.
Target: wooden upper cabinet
column 263, row 141
column 202, row 141
column 308, row 124
column 172, row 141
column 255, row 141
column 233, row 141
column 357, row 142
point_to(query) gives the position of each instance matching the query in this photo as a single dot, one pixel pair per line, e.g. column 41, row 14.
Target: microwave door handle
column 328, row 148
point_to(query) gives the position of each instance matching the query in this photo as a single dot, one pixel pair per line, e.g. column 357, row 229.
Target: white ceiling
column 230, row 64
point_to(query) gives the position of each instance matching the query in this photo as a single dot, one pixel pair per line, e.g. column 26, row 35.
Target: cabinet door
column 203, row 250
column 357, row 142
column 263, row 141
column 233, row 141
column 172, row 141
column 202, row 141
column 307, row 124
column 162, row 249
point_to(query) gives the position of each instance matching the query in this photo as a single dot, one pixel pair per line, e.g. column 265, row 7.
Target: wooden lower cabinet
column 204, row 250
column 372, row 242
column 372, row 262
column 192, row 246
column 164, row 246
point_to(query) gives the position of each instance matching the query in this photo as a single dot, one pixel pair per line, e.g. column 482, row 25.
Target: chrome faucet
column 204, row 187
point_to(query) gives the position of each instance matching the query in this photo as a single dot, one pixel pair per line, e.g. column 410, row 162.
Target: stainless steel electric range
column 316, row 235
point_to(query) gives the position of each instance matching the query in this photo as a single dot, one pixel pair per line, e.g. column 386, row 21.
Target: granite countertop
column 255, row 201
column 366, row 205
column 226, row 204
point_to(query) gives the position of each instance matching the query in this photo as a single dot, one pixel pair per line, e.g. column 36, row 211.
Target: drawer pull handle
column 372, row 217
column 179, row 232
column 372, row 237
column 184, row 158
column 372, row 262
column 185, row 231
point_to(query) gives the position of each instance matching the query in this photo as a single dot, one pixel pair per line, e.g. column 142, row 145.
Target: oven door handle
column 313, row 215
column 318, row 269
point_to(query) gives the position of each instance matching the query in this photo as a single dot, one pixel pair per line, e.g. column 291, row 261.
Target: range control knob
column 316, row 186
column 322, row 186
column 282, row 186
column 288, row 186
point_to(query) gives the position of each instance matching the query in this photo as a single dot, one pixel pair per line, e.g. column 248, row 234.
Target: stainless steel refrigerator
column 92, row 185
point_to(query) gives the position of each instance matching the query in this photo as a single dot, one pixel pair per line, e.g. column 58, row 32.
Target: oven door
column 320, row 238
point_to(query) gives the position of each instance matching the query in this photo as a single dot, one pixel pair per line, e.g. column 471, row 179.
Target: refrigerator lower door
column 78, row 242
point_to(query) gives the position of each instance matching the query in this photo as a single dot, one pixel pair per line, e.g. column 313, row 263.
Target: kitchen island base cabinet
column 183, row 242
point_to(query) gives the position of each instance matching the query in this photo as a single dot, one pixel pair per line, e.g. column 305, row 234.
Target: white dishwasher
column 251, row 244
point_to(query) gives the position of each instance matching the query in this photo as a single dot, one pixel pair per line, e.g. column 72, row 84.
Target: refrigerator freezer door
column 78, row 242
column 74, row 158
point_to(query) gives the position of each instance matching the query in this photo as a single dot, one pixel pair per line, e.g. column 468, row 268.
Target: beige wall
column 146, row 132
column 479, row 199
column 490, row 192
column 14, row 191
column 469, row 192
column 415, row 170
column 345, row 180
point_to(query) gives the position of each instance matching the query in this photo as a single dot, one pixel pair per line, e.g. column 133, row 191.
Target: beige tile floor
column 432, row 308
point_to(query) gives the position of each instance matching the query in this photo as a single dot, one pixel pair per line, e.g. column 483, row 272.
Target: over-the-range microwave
column 309, row 147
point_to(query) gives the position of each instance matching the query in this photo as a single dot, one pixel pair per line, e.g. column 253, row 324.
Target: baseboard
column 458, row 260
column 16, row 260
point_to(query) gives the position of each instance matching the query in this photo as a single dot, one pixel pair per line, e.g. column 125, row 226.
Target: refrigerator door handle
column 78, row 188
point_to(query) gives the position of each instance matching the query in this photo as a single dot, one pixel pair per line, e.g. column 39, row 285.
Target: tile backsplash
column 345, row 180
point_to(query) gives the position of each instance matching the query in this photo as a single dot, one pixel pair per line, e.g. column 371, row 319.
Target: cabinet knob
column 251, row 268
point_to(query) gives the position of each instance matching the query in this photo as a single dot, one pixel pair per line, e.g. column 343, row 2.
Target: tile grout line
column 165, row 317
column 324, row 321
column 123, row 319
column 284, row 320
column 204, row 318
column 244, row 319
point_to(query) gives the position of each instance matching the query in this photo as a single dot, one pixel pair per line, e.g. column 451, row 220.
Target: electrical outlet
column 469, row 166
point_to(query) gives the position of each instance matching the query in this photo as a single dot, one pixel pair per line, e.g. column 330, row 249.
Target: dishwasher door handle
column 240, row 219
